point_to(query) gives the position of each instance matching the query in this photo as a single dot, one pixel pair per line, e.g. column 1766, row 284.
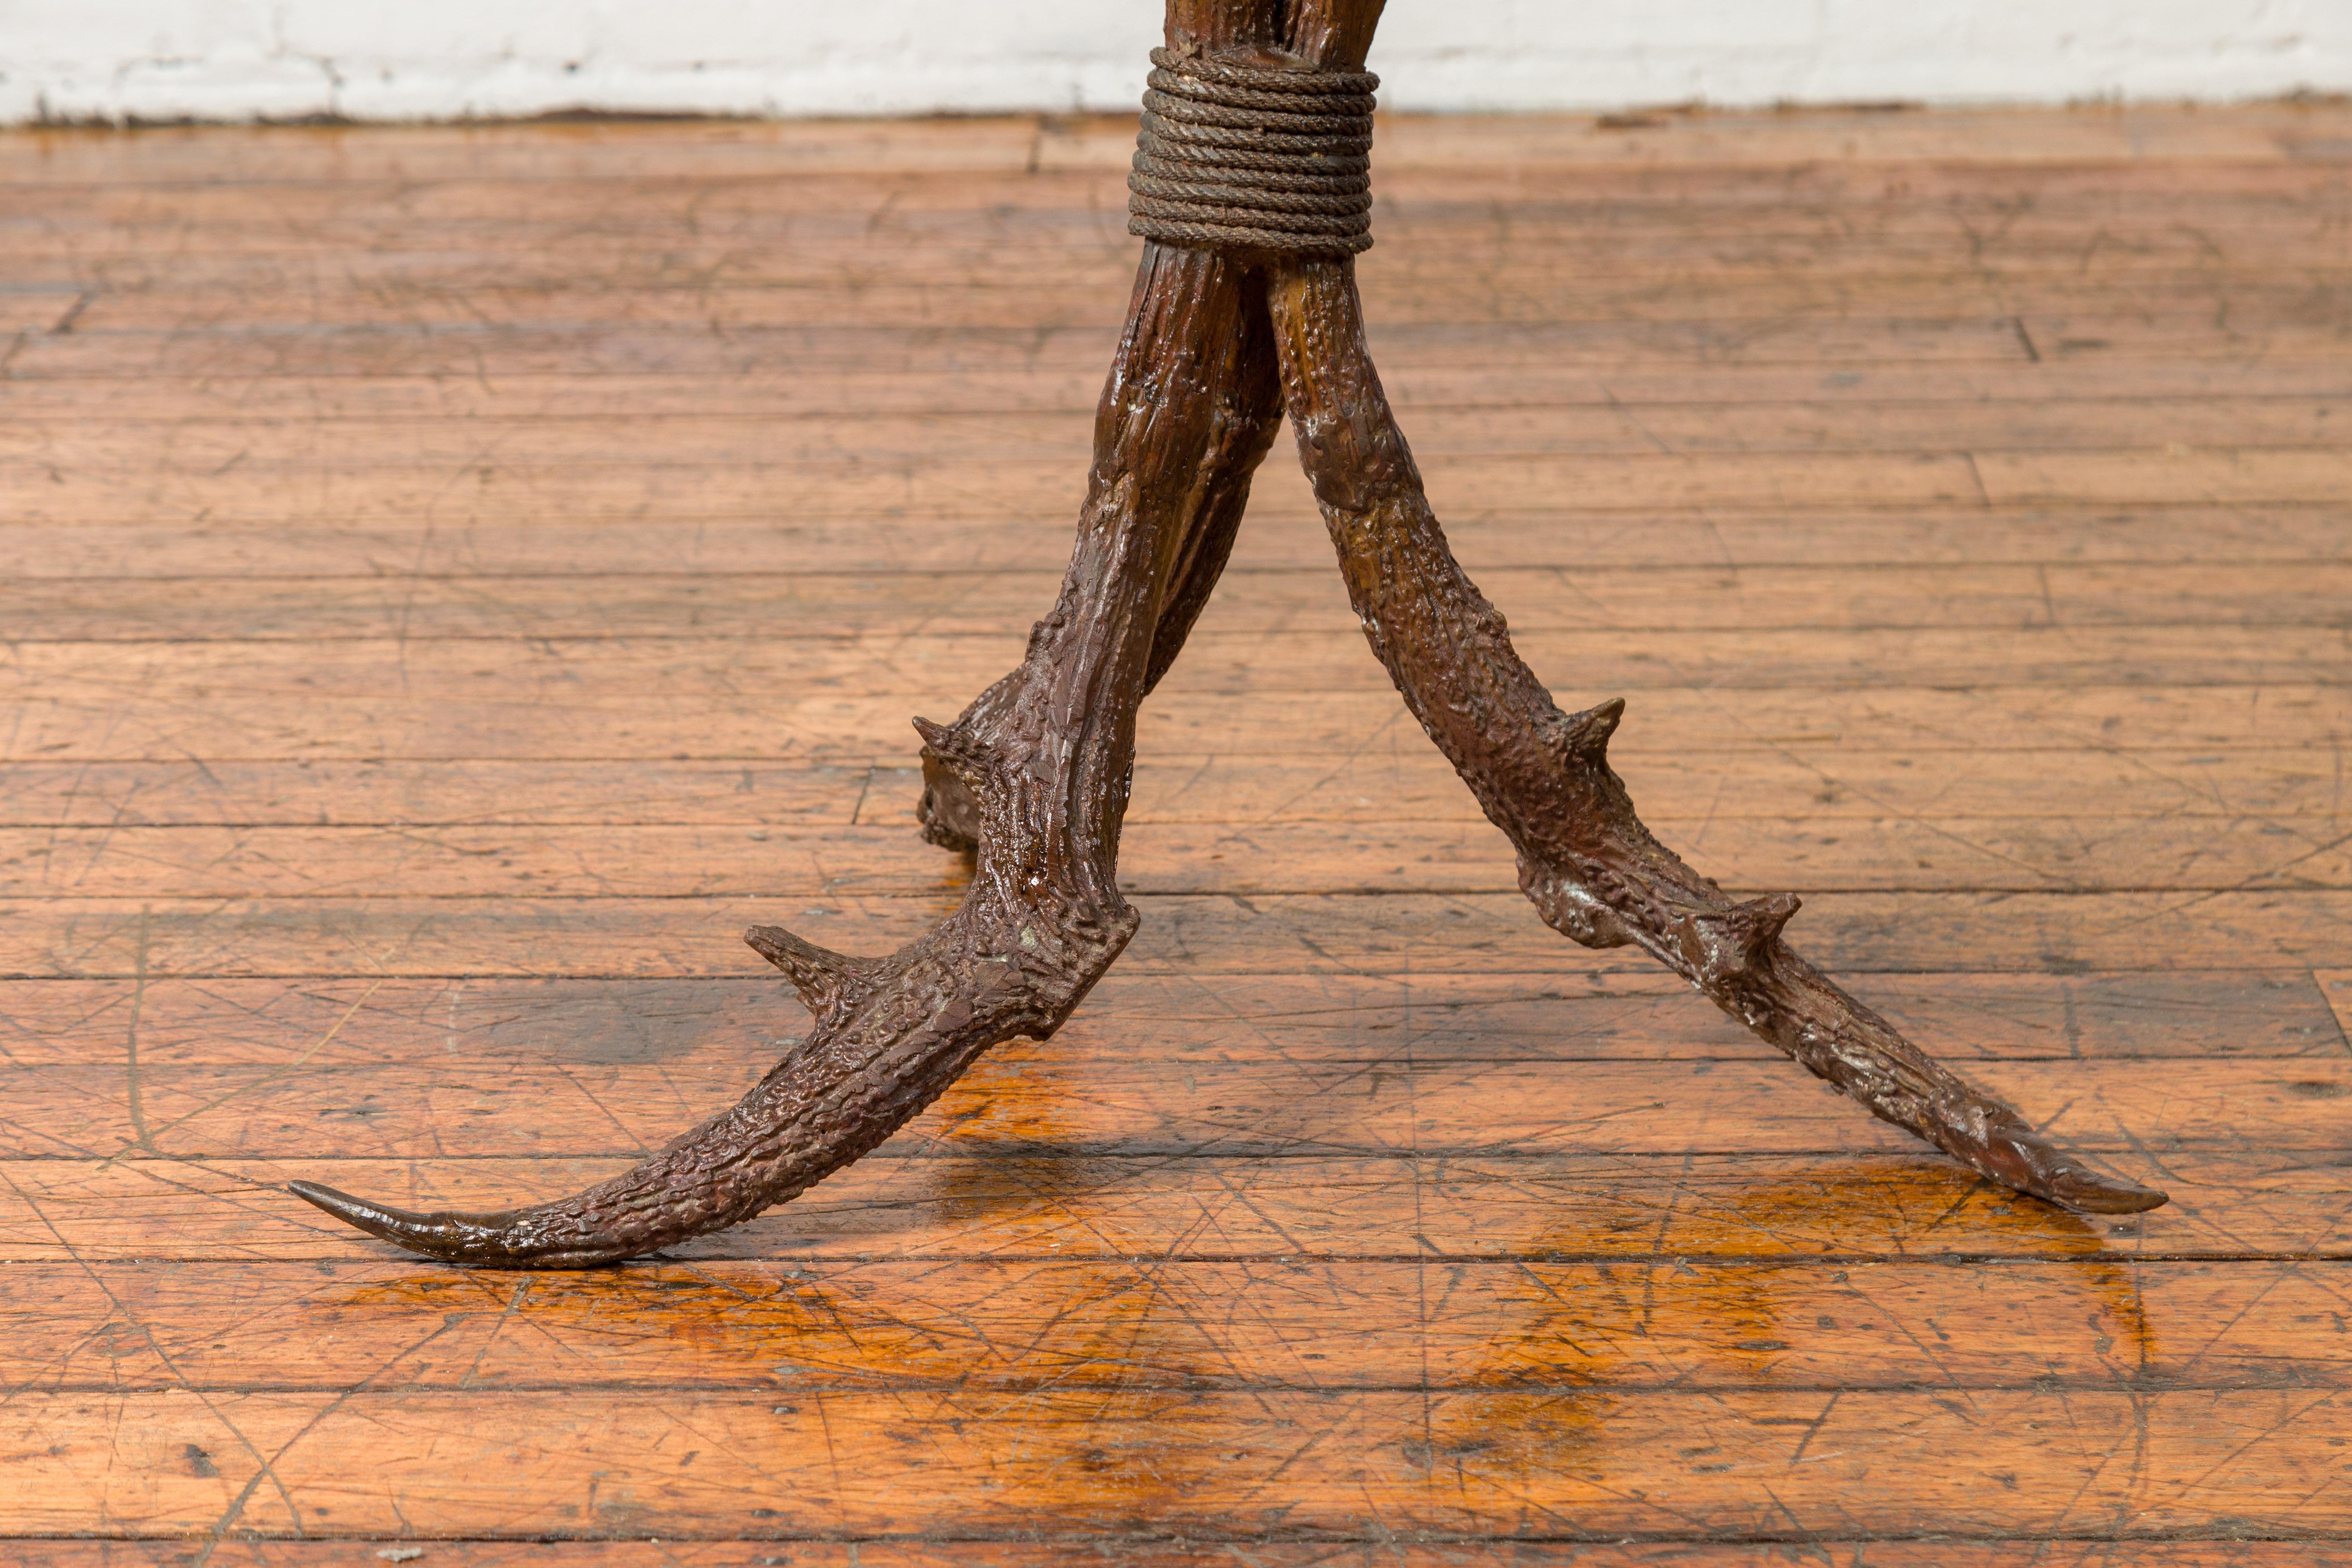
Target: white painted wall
column 232, row 59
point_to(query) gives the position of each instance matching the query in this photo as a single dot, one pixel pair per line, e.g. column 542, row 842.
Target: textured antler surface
column 1033, row 776
column 1543, row 776
column 1039, row 767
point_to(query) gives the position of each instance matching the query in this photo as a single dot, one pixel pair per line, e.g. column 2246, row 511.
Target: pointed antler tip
column 2020, row 1158
column 393, row 1224
column 477, row 1240
column 342, row 1206
column 821, row 976
column 789, row 953
column 961, row 752
column 1585, row 733
column 2094, row 1193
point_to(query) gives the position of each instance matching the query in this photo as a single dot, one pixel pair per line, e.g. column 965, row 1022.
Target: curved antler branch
column 1247, row 415
column 1543, row 776
column 1033, row 776
column 1037, row 928
column 1042, row 759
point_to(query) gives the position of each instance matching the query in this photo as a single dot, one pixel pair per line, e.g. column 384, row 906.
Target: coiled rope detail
column 1242, row 158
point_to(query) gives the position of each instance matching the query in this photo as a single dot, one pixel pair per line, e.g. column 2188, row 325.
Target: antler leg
column 1045, row 758
column 1244, row 415
column 1245, row 403
column 1585, row 860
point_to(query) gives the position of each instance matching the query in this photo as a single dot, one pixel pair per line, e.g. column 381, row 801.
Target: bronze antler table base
column 1235, row 322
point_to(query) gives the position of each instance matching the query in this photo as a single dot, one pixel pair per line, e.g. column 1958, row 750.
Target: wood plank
column 1488, row 199
column 547, row 716
column 412, row 151
column 1693, row 223
column 2337, row 986
column 1750, row 261
column 670, row 1551
column 2174, row 143
column 2254, row 303
column 2205, row 853
column 2175, row 140
column 1016, row 387
column 942, row 1201
column 1213, row 1462
column 1839, row 342
column 614, row 194
column 27, row 309
column 36, row 492
column 499, row 351
column 949, row 281
column 1032, row 1098
column 1787, row 246
column 597, row 698
column 812, row 604
column 1263, row 777
column 803, row 236
column 2174, row 136
column 1175, row 1323
column 505, row 538
column 2117, row 477
column 1197, row 1016
column 1380, row 933
column 197, row 447
column 782, row 230
column 444, row 792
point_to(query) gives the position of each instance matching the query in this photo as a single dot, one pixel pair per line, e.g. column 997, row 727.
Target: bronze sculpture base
column 1033, row 778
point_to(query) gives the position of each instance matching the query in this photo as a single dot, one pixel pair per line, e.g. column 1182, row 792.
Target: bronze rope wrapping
column 1239, row 158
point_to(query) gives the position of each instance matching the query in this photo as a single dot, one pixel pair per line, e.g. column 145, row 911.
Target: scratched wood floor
column 455, row 579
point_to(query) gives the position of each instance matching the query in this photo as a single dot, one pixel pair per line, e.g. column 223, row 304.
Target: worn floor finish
column 452, row 580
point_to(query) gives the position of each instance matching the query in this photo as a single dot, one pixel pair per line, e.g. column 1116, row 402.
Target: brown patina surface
column 1033, row 779
column 454, row 576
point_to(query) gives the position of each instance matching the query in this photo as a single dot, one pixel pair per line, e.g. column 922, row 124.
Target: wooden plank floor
column 453, row 580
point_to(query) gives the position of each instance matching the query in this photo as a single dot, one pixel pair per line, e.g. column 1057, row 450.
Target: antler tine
column 1041, row 763
column 1249, row 398
column 1591, row 867
column 890, row 1034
